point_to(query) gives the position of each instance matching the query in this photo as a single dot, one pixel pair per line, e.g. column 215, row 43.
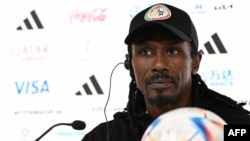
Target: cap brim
column 176, row 31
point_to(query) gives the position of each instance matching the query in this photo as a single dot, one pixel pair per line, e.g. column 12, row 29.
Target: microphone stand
column 51, row 129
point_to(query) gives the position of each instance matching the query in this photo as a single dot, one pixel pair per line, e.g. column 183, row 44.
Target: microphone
column 77, row 125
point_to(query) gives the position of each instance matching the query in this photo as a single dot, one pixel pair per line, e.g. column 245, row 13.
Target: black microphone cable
column 105, row 107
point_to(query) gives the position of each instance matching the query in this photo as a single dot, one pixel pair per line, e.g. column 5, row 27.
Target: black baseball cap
column 167, row 16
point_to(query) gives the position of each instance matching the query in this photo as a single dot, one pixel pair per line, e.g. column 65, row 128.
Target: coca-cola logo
column 95, row 15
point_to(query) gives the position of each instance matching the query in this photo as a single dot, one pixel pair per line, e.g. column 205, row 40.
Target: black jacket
column 120, row 128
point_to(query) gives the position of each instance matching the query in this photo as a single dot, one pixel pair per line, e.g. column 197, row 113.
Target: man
column 163, row 62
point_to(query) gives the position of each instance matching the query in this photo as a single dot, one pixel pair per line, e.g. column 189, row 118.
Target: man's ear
column 196, row 62
column 126, row 62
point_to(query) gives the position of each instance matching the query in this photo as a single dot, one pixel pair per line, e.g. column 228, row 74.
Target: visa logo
column 32, row 87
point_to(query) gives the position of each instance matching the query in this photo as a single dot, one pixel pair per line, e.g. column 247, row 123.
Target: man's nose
column 160, row 63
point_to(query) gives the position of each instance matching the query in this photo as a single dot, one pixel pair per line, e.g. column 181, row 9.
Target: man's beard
column 161, row 99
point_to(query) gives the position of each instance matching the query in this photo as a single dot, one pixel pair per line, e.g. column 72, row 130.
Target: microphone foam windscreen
column 78, row 125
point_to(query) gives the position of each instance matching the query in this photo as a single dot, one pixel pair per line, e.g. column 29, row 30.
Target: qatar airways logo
column 94, row 15
column 31, row 52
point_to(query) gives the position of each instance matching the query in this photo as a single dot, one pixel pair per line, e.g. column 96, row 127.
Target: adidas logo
column 219, row 45
column 28, row 24
column 86, row 87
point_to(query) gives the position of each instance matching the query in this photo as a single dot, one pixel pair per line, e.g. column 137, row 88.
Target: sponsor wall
column 62, row 60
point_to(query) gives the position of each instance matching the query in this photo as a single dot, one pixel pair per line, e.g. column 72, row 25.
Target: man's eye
column 172, row 51
column 146, row 52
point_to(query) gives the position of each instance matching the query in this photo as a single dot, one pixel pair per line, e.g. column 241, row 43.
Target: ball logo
column 157, row 12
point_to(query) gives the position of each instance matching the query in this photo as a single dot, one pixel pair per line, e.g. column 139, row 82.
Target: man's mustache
column 163, row 77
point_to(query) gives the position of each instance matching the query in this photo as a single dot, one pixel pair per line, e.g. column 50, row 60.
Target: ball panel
column 186, row 124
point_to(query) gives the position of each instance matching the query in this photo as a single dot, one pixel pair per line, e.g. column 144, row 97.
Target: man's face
column 162, row 66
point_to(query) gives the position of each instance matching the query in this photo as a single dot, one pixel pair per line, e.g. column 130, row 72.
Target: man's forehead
column 154, row 33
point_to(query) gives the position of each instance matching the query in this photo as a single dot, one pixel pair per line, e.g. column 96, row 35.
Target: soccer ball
column 186, row 124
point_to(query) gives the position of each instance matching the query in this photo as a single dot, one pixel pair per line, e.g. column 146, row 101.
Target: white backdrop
column 44, row 68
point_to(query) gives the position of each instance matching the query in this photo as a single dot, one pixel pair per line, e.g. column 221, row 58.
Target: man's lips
column 160, row 83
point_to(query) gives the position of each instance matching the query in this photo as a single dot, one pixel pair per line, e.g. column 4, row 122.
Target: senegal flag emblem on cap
column 157, row 12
